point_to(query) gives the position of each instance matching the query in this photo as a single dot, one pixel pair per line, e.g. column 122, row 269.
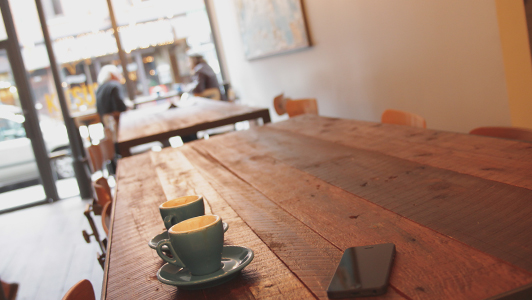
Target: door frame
column 25, row 92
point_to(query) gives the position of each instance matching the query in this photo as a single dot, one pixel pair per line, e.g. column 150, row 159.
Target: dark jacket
column 205, row 77
column 109, row 98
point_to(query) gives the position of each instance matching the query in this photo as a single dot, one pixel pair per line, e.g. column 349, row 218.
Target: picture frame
column 271, row 27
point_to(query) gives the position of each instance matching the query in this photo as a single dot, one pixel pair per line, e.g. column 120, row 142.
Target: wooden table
column 458, row 208
column 159, row 122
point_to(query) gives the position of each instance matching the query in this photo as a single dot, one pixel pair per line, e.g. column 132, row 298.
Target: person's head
column 196, row 59
column 107, row 73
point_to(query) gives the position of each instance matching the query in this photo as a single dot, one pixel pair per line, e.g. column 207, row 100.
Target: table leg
column 266, row 117
column 124, row 150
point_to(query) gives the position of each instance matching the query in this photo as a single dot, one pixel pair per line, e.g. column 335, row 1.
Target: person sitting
column 204, row 79
column 109, row 99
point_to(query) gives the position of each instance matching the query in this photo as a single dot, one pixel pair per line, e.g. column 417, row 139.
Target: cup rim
column 199, row 197
column 213, row 223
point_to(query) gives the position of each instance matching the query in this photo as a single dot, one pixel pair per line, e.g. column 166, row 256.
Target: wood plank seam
column 250, row 158
column 367, row 135
column 283, row 260
column 429, row 180
column 192, row 177
column 209, row 155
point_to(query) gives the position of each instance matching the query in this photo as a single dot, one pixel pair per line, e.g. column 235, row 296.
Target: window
column 52, row 8
column 10, row 130
column 58, row 9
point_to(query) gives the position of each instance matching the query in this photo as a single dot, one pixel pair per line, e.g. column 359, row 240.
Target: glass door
column 19, row 175
column 27, row 176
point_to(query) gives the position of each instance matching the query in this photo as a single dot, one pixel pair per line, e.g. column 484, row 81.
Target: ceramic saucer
column 164, row 236
column 234, row 259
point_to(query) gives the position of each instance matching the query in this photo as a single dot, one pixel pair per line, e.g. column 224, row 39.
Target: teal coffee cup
column 180, row 209
column 195, row 244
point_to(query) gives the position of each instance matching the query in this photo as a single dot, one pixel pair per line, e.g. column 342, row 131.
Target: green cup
column 180, row 209
column 196, row 244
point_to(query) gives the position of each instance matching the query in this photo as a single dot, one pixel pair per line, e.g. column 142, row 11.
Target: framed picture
column 270, row 27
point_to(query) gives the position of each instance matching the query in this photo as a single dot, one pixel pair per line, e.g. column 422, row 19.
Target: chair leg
column 95, row 233
column 101, row 260
column 96, row 208
column 111, row 167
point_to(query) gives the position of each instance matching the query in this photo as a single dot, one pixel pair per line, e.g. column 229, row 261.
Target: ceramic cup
column 196, row 244
column 180, row 209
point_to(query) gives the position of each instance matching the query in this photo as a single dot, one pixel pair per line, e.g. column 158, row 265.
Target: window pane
column 19, row 175
column 41, row 82
column 3, row 34
column 158, row 34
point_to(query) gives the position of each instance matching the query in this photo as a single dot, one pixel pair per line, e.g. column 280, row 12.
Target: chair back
column 212, row 93
column 102, row 191
column 279, row 103
column 95, row 158
column 108, row 149
column 301, row 106
column 399, row 117
column 110, row 123
column 106, row 217
column 86, row 120
column 513, row 133
column 111, row 120
column 82, row 290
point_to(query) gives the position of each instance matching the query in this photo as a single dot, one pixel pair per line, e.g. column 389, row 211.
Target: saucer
column 234, row 259
column 164, row 236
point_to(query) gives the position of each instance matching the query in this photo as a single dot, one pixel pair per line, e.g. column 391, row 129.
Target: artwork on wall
column 270, row 27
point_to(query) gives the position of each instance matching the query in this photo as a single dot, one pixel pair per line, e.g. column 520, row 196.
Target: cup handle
column 225, row 226
column 175, row 260
column 168, row 221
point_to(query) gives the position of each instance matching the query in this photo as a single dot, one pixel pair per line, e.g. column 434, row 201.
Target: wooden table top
column 299, row 192
column 160, row 122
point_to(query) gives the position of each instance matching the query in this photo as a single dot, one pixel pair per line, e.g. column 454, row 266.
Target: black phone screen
column 363, row 271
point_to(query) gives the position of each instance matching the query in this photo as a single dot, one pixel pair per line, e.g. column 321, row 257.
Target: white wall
column 440, row 59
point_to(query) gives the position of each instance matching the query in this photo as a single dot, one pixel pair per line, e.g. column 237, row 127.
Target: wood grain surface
column 159, row 122
column 476, row 211
column 490, row 158
column 301, row 191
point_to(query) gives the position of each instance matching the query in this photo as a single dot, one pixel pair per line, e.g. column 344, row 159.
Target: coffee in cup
column 196, row 244
column 180, row 209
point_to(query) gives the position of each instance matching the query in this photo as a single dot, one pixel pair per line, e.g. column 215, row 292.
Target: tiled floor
column 43, row 250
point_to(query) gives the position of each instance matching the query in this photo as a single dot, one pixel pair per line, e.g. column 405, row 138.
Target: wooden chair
column 81, row 119
column 212, row 93
column 107, row 147
column 513, row 133
column 111, row 120
column 106, row 217
column 109, row 134
column 102, row 201
column 399, row 117
column 110, row 123
column 296, row 107
column 102, row 191
column 301, row 106
column 102, row 155
column 82, row 290
column 279, row 103
column 95, row 158
column 87, row 236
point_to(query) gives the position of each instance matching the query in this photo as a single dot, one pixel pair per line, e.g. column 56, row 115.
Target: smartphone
column 363, row 271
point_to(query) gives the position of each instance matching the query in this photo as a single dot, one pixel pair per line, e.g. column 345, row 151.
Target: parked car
column 17, row 162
